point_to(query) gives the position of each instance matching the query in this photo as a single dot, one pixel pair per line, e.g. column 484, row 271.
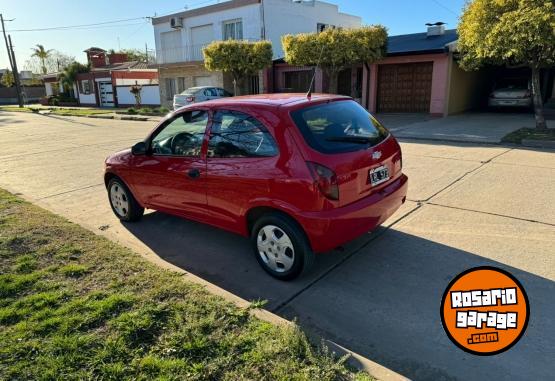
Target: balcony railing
column 189, row 53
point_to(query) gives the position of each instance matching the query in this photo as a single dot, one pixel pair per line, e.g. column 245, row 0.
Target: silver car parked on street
column 198, row 94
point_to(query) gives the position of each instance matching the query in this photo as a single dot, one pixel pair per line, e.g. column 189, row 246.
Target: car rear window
column 339, row 126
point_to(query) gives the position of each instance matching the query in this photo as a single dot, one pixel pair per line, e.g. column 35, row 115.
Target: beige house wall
column 466, row 89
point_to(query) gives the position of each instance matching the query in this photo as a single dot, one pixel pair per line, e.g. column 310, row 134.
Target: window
column 340, row 126
column 210, row 92
column 235, row 134
column 170, row 88
column 182, row 136
column 233, row 30
column 320, row 27
column 85, row 86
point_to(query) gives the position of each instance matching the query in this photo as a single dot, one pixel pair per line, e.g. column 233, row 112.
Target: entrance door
column 405, row 87
column 106, row 92
column 172, row 177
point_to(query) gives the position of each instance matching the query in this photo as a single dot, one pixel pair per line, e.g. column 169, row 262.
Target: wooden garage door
column 405, row 87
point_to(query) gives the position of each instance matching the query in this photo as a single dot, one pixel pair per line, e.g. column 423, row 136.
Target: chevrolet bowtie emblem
column 376, row 155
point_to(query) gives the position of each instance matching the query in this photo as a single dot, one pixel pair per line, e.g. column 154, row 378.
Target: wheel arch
column 254, row 213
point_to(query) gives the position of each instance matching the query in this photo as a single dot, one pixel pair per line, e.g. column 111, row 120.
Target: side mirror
column 139, row 149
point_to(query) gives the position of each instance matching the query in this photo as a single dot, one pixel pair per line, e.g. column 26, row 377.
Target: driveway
column 467, row 127
column 469, row 205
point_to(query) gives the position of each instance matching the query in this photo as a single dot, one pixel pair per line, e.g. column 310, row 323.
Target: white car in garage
column 198, row 94
column 511, row 92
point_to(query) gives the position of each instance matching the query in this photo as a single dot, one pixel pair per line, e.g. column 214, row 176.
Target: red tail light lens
column 325, row 179
column 190, row 99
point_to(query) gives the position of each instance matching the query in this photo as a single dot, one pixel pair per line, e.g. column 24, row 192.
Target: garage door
column 405, row 87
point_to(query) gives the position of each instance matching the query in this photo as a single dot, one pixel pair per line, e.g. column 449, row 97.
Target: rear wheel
column 123, row 204
column 281, row 247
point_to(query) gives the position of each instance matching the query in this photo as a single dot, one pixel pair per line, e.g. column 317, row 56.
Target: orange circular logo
column 485, row 310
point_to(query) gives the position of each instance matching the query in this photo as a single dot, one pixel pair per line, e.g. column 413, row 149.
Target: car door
column 172, row 176
column 241, row 164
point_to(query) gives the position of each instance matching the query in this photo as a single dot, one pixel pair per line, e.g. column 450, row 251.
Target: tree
column 69, row 75
column 54, row 62
column 42, row 54
column 335, row 49
column 239, row 58
column 8, row 79
column 513, row 33
column 137, row 55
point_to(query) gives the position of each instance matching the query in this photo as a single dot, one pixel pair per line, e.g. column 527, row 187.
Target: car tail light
column 190, row 99
column 325, row 179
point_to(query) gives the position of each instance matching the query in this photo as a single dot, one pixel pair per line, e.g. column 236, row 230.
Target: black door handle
column 193, row 173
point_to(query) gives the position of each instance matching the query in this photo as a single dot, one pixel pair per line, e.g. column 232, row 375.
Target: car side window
column 238, row 135
column 209, row 92
column 182, row 136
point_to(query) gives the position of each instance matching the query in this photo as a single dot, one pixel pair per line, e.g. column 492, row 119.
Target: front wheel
column 123, row 204
column 281, row 247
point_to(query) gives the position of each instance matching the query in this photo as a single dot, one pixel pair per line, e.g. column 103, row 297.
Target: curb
column 99, row 116
column 538, row 143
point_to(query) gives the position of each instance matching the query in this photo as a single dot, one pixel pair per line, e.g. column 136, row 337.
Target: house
column 110, row 78
column 180, row 37
column 421, row 74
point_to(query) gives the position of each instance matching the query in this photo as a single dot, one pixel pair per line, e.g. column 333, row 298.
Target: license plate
column 378, row 175
column 508, row 103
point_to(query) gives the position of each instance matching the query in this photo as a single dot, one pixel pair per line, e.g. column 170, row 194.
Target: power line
column 76, row 26
column 445, row 7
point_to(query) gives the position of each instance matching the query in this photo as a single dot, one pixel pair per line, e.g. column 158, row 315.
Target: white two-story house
column 180, row 37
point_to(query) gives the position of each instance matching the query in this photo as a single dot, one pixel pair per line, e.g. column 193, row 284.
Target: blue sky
column 399, row 16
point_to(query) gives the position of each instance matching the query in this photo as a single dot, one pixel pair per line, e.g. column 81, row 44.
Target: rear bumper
column 513, row 102
column 327, row 230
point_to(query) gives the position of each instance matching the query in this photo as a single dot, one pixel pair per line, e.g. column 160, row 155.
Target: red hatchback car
column 297, row 175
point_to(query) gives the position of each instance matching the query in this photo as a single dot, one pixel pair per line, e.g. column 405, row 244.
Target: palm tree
column 69, row 75
column 41, row 54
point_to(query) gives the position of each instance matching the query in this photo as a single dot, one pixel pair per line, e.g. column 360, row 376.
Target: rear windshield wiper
column 351, row 139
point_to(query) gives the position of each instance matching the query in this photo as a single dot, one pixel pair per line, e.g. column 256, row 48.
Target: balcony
column 190, row 53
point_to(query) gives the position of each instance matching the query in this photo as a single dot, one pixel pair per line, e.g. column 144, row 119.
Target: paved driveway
column 469, row 205
column 468, row 127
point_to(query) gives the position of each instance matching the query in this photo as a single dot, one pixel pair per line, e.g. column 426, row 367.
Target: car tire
column 281, row 246
column 123, row 203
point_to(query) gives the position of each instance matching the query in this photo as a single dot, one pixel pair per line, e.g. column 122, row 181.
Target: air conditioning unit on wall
column 176, row 22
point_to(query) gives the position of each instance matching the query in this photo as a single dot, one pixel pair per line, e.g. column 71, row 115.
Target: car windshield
column 191, row 91
column 340, row 126
column 512, row 83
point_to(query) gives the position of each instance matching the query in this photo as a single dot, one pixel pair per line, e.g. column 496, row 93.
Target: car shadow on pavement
column 225, row 259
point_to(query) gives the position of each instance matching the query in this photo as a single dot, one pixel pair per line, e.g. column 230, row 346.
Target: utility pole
column 6, row 40
column 16, row 74
column 146, row 53
column 13, row 64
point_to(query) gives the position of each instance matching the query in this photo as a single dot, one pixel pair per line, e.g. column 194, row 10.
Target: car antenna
column 309, row 92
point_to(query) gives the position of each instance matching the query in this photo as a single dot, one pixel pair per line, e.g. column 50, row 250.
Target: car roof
column 275, row 100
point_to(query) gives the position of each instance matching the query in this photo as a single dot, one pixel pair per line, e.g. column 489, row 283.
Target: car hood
column 509, row 92
column 120, row 157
